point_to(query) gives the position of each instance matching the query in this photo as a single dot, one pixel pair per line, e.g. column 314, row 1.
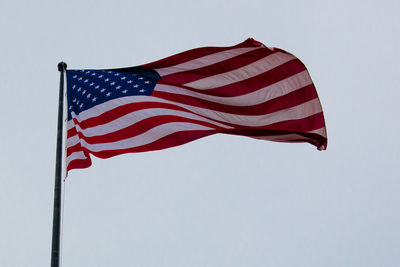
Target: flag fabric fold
column 247, row 89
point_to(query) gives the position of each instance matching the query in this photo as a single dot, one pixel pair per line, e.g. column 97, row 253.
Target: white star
column 118, row 87
column 88, row 95
column 80, row 79
column 146, row 82
column 116, row 74
column 142, row 90
column 112, row 83
column 125, row 91
column 74, row 100
column 79, row 89
column 141, row 78
column 107, row 79
column 130, row 81
column 75, row 76
column 108, row 94
column 73, row 87
column 88, row 71
column 136, row 85
column 70, row 107
column 102, row 90
column 93, row 74
column 94, row 99
column 83, row 92
column 86, row 81
column 101, row 76
column 97, row 87
column 123, row 78
column 81, row 105
column 91, row 84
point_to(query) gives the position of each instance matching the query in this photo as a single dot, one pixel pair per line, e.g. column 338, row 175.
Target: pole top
column 62, row 66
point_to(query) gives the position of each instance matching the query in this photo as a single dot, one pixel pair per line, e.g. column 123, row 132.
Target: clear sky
column 221, row 200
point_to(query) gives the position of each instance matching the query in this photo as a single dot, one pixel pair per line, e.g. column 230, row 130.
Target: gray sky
column 221, row 200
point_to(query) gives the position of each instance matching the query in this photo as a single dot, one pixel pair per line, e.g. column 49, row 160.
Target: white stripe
column 243, row 73
column 262, row 95
column 70, row 125
column 320, row 131
column 150, row 136
column 76, row 155
column 73, row 140
column 137, row 116
column 294, row 113
column 205, row 61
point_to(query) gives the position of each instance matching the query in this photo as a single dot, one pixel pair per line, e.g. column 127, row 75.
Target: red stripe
column 308, row 124
column 71, row 132
column 286, row 101
column 79, row 164
column 175, row 139
column 314, row 139
column 217, row 68
column 196, row 53
column 74, row 148
column 140, row 128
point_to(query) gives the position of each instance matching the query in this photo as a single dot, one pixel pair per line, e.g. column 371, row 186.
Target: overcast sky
column 221, row 200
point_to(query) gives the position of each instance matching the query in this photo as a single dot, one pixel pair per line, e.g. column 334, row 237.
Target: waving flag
column 247, row 89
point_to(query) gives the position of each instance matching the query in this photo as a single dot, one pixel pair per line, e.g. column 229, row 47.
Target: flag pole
column 56, row 244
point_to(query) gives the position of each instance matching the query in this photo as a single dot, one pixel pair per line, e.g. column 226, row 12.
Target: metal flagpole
column 55, row 247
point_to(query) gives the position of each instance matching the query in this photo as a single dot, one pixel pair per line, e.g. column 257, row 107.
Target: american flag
column 247, row 89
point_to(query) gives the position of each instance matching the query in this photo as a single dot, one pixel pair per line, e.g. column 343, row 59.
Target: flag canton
column 88, row 88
